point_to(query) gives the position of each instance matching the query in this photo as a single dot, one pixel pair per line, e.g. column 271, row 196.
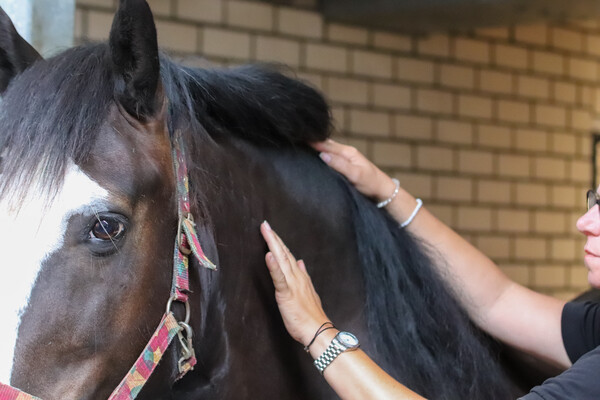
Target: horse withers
column 89, row 215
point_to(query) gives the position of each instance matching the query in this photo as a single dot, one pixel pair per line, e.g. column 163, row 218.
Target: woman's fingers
column 276, row 273
column 282, row 255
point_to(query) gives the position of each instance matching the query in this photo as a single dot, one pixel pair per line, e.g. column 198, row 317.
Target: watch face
column 348, row 339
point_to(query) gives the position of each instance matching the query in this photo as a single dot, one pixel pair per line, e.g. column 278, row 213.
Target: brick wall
column 491, row 128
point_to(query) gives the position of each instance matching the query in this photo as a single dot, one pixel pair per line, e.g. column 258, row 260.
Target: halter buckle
column 187, row 348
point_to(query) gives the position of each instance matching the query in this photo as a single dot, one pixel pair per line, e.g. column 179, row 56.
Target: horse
column 89, row 214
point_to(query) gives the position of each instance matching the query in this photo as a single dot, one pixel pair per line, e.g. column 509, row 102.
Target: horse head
column 87, row 194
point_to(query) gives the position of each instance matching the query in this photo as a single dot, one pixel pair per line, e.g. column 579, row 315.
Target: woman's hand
column 298, row 302
column 362, row 173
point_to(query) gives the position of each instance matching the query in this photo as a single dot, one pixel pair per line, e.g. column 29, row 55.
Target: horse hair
column 417, row 325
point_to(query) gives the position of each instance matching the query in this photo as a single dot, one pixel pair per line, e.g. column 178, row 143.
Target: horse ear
column 134, row 51
column 15, row 53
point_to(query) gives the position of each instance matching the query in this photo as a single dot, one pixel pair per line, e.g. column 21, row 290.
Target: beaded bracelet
column 389, row 199
column 319, row 331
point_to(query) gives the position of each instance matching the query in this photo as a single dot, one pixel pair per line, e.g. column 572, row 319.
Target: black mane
column 50, row 120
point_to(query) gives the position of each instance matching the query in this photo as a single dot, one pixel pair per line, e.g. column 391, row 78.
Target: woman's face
column 589, row 225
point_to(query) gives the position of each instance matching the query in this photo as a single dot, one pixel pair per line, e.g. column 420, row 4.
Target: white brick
column 513, row 165
column 434, row 45
column 528, row 86
column 513, row 111
column 300, row 23
column 224, row 43
column 250, row 15
column 472, row 50
column 99, row 24
column 435, row 158
column 177, row 36
column 513, row 221
column 533, row 34
column 200, row 10
column 347, row 91
column 420, row 185
column 454, row 132
column 392, row 96
column 434, row 101
column 583, row 69
column 495, row 192
column 529, row 139
column 592, row 44
column 563, row 249
column 567, row 39
column 474, row 106
column 347, row 34
column 532, row 194
column 550, row 222
column 370, row 63
column 494, row 136
column 79, row 17
column 548, row 63
column 390, row 41
column 511, row 56
column 518, row 273
column 474, row 219
column 340, row 123
column 581, row 171
column 496, row 82
column 160, row 7
column 408, row 69
column 565, row 196
column 277, row 50
column 475, row 162
column 457, row 76
column 578, row 277
column 326, row 58
column 370, row 123
column 551, row 276
column 458, row 189
column 494, row 246
column 550, row 168
column 531, row 249
column 409, row 126
column 550, row 115
column 565, row 92
column 392, row 154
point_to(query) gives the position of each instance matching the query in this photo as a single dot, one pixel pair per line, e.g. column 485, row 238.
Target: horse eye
column 107, row 229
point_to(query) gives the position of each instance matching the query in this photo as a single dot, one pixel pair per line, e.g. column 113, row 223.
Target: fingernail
column 325, row 157
column 266, row 224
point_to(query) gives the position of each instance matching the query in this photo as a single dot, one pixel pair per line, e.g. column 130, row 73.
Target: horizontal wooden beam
column 441, row 15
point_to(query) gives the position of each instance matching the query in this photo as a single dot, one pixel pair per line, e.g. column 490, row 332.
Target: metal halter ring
column 187, row 308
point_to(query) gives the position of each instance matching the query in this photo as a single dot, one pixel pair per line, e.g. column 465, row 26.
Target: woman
column 560, row 333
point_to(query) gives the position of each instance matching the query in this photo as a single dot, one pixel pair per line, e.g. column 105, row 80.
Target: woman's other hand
column 362, row 173
column 298, row 302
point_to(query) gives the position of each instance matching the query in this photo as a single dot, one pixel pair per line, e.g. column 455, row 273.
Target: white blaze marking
column 27, row 238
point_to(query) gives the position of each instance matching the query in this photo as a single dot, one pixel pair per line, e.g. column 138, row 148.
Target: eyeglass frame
column 592, row 198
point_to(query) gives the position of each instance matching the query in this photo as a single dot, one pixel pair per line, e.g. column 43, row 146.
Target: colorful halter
column 186, row 243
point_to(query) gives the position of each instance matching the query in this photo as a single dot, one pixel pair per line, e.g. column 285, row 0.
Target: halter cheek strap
column 186, row 244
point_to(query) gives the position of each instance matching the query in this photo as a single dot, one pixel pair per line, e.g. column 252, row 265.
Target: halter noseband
column 186, row 243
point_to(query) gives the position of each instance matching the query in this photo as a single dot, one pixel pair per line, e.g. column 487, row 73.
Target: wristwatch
column 343, row 341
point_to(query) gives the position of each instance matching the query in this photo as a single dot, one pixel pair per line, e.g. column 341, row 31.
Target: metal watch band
column 334, row 349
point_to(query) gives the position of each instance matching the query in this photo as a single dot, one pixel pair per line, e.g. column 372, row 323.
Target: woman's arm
column 508, row 311
column 353, row 375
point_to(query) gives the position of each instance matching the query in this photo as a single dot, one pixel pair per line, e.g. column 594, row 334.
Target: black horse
column 88, row 214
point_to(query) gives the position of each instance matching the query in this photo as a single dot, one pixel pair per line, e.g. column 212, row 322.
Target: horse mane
column 59, row 118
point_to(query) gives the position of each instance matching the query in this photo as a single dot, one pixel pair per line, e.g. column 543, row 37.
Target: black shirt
column 581, row 336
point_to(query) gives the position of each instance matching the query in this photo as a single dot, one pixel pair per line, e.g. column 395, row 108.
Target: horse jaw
column 28, row 236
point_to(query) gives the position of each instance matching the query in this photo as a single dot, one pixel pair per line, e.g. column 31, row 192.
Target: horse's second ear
column 134, row 52
column 15, row 53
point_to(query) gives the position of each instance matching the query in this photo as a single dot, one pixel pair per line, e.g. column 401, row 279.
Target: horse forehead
column 29, row 234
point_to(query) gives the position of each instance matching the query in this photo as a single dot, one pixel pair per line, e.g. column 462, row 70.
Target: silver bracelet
column 389, row 199
column 413, row 215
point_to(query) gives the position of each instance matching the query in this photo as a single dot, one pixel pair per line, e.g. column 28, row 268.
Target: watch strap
column 334, row 349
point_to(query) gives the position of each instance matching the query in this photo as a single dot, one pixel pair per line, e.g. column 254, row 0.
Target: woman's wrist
column 386, row 188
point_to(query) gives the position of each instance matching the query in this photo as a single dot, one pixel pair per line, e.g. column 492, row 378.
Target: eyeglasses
column 592, row 198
